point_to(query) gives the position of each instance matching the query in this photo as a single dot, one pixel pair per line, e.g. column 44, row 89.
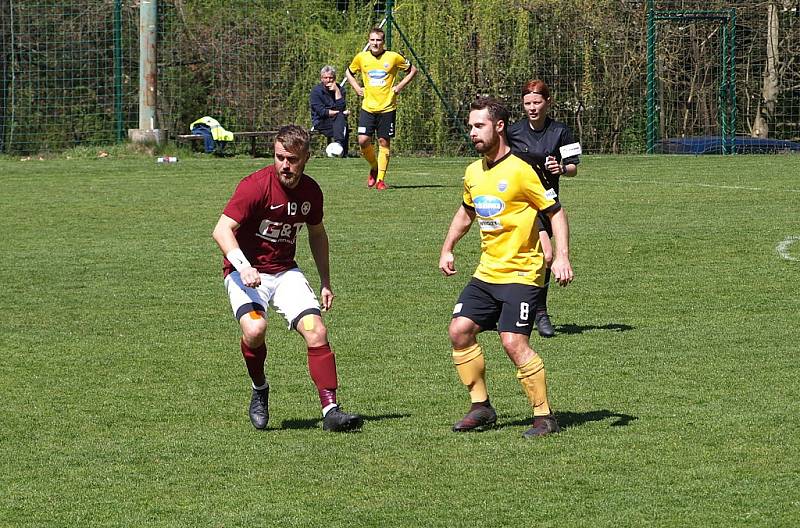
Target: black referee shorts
column 543, row 223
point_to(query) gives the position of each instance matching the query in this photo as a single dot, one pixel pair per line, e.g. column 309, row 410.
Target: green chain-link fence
column 70, row 69
column 66, row 73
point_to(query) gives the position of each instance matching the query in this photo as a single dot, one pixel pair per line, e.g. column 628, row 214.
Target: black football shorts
column 504, row 307
column 382, row 124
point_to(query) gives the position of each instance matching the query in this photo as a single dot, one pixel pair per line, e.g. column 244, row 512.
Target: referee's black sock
column 541, row 301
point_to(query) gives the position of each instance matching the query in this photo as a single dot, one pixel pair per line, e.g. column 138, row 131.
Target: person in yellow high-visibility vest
column 214, row 136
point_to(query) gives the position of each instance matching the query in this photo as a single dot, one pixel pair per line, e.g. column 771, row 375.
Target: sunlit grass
column 674, row 373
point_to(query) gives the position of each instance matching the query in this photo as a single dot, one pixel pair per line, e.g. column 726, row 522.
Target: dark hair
column 536, row 86
column 294, row 138
column 378, row 30
column 497, row 110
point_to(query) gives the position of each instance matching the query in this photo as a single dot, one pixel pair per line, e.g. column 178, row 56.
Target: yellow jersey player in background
column 505, row 195
column 379, row 69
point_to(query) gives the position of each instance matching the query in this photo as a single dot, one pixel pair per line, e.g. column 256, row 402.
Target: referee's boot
column 480, row 417
column 338, row 421
column 259, row 408
column 542, row 426
column 543, row 325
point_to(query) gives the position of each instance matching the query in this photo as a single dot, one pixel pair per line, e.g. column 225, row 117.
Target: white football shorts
column 288, row 292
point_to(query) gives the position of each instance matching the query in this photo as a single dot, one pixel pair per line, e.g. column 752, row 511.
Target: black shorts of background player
column 382, row 125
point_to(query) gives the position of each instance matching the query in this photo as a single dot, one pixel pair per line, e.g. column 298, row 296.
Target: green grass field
column 674, row 375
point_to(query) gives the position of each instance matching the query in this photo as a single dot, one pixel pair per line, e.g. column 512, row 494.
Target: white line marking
column 687, row 184
column 783, row 247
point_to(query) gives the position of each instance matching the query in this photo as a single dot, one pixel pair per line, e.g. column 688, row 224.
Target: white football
column 334, row 150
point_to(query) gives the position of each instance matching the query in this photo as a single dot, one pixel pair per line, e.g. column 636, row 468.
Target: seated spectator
column 328, row 108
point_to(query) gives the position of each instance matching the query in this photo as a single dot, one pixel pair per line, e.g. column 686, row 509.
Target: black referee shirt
column 534, row 146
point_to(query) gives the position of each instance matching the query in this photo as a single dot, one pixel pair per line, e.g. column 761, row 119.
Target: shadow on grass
column 568, row 419
column 579, row 329
column 315, row 423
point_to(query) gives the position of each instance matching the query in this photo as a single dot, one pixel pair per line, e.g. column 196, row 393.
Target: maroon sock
column 255, row 358
column 322, row 367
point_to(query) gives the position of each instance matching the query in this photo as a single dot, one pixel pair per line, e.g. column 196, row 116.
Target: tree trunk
column 770, row 88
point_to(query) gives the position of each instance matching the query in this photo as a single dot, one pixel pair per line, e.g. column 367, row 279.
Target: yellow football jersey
column 377, row 76
column 506, row 197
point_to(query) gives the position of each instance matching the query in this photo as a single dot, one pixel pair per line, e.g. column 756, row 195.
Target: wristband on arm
column 237, row 258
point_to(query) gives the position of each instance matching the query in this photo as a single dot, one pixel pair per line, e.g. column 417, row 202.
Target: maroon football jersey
column 270, row 216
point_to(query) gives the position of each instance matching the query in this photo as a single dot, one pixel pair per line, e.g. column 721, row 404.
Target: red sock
column 255, row 358
column 322, row 367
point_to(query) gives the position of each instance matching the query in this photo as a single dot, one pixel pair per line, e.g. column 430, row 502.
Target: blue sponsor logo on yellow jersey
column 487, row 205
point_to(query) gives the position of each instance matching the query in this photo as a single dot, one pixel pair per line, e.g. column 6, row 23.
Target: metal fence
column 70, row 69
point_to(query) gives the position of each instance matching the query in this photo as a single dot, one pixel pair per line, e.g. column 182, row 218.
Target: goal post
column 726, row 94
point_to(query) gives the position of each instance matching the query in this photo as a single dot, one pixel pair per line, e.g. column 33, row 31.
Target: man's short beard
column 487, row 146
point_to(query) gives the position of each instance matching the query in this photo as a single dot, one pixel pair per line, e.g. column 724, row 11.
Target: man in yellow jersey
column 379, row 69
column 505, row 195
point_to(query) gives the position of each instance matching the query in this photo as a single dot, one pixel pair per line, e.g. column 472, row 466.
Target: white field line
column 783, row 247
column 684, row 184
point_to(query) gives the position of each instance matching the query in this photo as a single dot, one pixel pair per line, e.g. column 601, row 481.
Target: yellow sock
column 383, row 162
column 368, row 153
column 471, row 368
column 534, row 382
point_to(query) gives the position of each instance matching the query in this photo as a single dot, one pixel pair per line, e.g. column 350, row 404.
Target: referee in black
column 538, row 140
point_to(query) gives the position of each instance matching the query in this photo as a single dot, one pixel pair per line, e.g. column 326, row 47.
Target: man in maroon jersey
column 257, row 233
